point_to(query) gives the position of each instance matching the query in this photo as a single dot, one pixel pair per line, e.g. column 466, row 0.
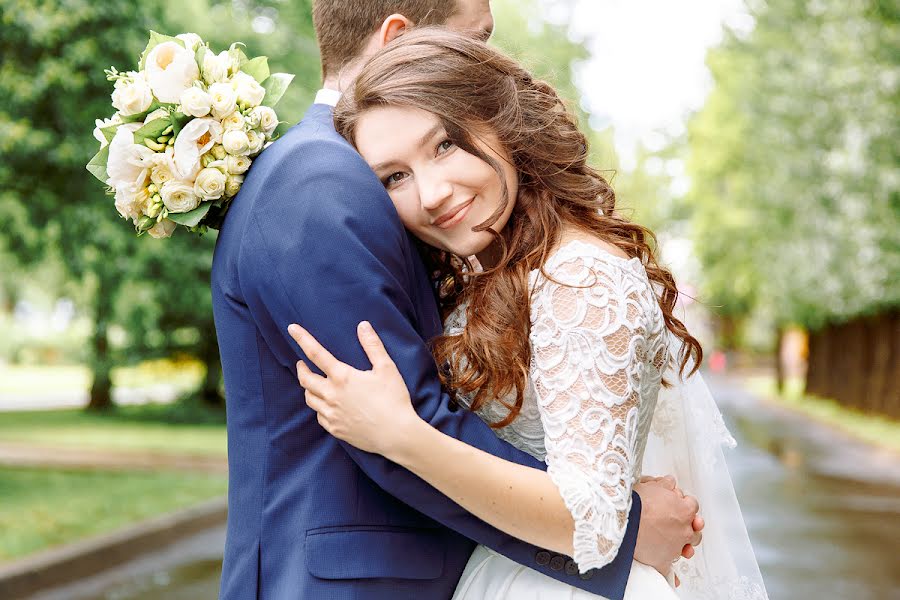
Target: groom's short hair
column 343, row 27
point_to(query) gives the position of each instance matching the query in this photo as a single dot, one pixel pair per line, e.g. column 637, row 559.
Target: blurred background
column 757, row 138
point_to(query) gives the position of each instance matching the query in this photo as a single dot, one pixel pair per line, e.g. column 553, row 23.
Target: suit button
column 588, row 575
column 571, row 567
column 542, row 557
column 557, row 562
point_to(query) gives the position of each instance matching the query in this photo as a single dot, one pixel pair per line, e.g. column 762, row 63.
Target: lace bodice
column 599, row 347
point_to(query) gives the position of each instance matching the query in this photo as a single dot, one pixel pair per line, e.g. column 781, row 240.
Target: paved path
column 79, row 398
column 21, row 454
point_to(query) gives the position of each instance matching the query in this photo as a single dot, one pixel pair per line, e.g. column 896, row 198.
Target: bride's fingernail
column 365, row 326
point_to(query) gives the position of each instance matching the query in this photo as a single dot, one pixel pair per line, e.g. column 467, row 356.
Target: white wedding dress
column 599, row 350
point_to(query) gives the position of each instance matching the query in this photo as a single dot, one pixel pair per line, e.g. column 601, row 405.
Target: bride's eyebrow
column 429, row 135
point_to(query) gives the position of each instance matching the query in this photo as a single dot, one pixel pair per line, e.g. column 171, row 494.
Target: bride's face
column 441, row 192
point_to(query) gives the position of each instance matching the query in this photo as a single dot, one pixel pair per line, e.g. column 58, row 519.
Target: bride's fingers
column 373, row 346
column 688, row 551
column 698, row 523
column 314, row 351
column 310, row 381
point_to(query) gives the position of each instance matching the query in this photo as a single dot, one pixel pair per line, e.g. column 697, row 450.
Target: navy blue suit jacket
column 313, row 238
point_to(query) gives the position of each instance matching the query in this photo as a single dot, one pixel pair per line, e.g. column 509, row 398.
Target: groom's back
column 304, row 521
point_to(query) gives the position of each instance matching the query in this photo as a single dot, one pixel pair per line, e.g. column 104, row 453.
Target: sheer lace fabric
column 598, row 351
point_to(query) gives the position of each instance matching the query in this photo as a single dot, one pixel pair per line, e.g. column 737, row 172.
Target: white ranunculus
column 132, row 96
column 130, row 201
column 224, row 100
column 162, row 169
column 128, row 162
column 237, row 165
column 210, row 184
column 233, row 184
column 266, row 118
column 195, row 102
column 191, row 40
column 102, row 124
column 233, row 121
column 236, row 142
column 248, row 90
column 179, row 197
column 171, row 69
column 196, row 138
column 255, row 141
column 215, row 66
column 163, row 229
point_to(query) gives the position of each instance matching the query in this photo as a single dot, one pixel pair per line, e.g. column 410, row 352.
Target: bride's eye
column 445, row 146
column 394, row 178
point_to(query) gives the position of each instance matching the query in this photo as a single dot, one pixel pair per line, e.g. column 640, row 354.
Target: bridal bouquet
column 187, row 126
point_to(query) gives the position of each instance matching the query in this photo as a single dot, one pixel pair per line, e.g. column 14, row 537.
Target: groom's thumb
column 372, row 345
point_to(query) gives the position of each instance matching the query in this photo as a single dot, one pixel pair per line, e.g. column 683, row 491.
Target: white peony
column 132, row 96
column 224, row 100
column 233, row 121
column 130, row 201
column 163, row 229
column 102, row 124
column 249, row 92
column 255, row 141
column 128, row 163
column 195, row 102
column 191, row 40
column 196, row 138
column 171, row 69
column 233, row 184
column 216, row 66
column 162, row 169
column 237, row 165
column 179, row 197
column 210, row 184
column 265, row 118
column 236, row 142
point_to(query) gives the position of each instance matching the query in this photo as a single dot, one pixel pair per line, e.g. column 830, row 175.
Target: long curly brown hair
column 470, row 86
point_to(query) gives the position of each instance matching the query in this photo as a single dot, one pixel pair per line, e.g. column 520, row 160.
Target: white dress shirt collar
column 329, row 97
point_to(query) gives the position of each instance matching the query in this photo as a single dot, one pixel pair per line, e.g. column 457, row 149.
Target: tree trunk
column 100, row 360
column 209, row 392
column 779, row 360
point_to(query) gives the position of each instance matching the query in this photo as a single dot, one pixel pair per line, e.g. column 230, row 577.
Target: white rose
column 162, row 169
column 215, row 66
column 179, row 197
column 195, row 102
column 196, row 138
column 191, row 40
column 128, row 163
column 102, row 124
column 237, row 165
column 233, row 184
column 163, row 229
column 255, row 141
column 248, row 90
column 210, row 184
column 233, row 121
column 159, row 113
column 224, row 100
column 266, row 118
column 170, row 70
column 236, row 142
column 130, row 201
column 131, row 97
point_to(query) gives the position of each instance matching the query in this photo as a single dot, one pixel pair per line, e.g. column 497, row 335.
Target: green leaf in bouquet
column 276, row 84
column 200, row 54
column 179, row 120
column 141, row 115
column 109, row 132
column 155, row 40
column 152, row 130
column 257, row 68
column 191, row 218
column 97, row 165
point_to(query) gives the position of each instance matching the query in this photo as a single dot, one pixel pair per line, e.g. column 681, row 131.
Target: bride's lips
column 453, row 216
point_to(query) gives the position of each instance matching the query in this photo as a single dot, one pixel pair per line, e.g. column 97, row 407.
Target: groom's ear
column 391, row 28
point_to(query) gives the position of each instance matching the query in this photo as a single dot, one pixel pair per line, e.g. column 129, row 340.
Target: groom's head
column 349, row 30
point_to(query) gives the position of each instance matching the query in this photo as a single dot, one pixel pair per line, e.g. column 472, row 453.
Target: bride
column 559, row 328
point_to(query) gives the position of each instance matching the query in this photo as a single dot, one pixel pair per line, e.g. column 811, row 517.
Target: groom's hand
column 670, row 526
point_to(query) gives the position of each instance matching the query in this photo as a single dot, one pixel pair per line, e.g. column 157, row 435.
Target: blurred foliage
column 794, row 164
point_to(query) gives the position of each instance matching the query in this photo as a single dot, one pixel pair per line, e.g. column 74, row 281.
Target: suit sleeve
column 331, row 252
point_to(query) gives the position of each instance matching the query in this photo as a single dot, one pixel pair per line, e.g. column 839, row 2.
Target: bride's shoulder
column 579, row 254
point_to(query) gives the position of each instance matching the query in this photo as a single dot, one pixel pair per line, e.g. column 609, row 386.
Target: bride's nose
column 434, row 191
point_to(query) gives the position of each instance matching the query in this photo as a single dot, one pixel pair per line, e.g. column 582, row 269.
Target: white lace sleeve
column 588, row 355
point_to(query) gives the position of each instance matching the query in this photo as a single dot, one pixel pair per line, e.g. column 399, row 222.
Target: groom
column 313, row 238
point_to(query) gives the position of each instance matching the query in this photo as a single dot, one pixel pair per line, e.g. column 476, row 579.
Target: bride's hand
column 372, row 409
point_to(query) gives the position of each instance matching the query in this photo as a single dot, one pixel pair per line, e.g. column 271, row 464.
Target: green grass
column 38, row 379
column 873, row 429
column 41, row 508
column 150, row 428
